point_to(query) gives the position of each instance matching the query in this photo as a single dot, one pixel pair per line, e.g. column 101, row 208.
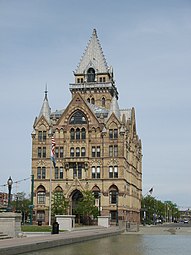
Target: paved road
column 174, row 225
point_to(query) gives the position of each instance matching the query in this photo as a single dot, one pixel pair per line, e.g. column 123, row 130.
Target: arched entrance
column 76, row 196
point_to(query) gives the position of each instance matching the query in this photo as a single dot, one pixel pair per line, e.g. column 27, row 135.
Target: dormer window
column 90, row 75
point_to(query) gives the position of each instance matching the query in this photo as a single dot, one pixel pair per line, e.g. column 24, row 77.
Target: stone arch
column 41, row 194
column 113, row 194
column 113, row 124
column 75, row 196
column 90, row 75
column 58, row 189
column 97, row 195
column 78, row 117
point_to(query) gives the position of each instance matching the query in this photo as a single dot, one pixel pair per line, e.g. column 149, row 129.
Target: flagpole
column 50, row 193
column 52, row 160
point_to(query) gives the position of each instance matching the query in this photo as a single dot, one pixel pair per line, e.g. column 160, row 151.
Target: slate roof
column 93, row 57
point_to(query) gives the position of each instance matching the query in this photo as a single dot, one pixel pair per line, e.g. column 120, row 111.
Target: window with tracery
column 78, row 118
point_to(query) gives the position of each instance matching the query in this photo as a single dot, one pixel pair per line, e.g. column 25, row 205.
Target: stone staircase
column 4, row 236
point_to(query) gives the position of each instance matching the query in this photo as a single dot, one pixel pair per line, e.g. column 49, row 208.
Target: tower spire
column 93, row 56
column 45, row 109
column 46, row 92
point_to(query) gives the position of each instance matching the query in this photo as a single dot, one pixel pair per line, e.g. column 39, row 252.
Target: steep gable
column 77, row 103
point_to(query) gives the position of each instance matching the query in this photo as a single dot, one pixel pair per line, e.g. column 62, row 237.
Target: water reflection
column 126, row 245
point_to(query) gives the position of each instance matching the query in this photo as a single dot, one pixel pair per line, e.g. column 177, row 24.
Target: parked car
column 186, row 221
column 158, row 221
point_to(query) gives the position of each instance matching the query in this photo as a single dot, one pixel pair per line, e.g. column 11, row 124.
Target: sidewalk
column 35, row 243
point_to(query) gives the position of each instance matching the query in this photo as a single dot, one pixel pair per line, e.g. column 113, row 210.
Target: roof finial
column 94, row 32
column 46, row 92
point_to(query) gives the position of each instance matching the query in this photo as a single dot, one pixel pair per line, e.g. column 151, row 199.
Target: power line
column 25, row 179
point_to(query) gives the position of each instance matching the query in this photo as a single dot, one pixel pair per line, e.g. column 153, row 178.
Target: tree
column 59, row 204
column 155, row 209
column 21, row 204
column 86, row 207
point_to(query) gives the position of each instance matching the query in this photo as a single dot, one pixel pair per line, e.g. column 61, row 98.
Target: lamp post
column 117, row 216
column 9, row 184
column 99, row 204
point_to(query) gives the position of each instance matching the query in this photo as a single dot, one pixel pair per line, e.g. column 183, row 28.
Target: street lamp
column 117, row 216
column 9, row 184
column 99, row 194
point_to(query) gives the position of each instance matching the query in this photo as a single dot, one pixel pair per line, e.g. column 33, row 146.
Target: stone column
column 10, row 223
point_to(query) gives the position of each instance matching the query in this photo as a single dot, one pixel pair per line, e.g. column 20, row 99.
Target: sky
column 148, row 43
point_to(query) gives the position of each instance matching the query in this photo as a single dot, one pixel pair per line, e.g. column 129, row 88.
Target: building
column 97, row 146
column 3, row 200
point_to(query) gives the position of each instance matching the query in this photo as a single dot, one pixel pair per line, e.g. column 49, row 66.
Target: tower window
column 61, row 152
column 44, row 136
column 93, row 152
column 90, row 75
column 39, row 152
column 103, row 101
column 93, row 101
column 44, row 152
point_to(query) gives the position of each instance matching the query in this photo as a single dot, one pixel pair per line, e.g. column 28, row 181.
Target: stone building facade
column 97, row 146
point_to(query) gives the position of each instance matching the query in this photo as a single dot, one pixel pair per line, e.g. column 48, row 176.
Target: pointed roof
column 114, row 108
column 93, row 57
column 45, row 109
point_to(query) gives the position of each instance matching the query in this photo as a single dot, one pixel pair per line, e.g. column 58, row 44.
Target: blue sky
column 148, row 43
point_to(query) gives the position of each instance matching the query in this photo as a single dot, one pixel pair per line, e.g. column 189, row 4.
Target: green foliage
column 21, row 204
column 59, row 204
column 86, row 206
column 155, row 209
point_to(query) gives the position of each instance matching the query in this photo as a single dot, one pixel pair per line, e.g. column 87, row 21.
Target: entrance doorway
column 76, row 197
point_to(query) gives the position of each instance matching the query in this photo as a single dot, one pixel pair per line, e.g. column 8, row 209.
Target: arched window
column 61, row 173
column 113, row 195
column 72, row 134
column 90, row 75
column 97, row 195
column 77, row 134
column 78, row 118
column 83, row 131
column 77, row 152
column 41, row 195
column 103, row 101
column 88, row 100
column 72, row 152
column 83, row 152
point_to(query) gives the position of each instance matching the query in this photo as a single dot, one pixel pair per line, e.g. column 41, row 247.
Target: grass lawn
column 35, row 228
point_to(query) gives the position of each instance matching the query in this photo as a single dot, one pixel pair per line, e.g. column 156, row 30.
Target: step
column 4, row 236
